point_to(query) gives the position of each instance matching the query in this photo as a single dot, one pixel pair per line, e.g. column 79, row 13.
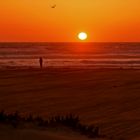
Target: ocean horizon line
column 69, row 42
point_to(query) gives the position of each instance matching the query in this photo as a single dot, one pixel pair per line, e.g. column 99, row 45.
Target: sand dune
column 7, row 132
column 31, row 134
column 107, row 98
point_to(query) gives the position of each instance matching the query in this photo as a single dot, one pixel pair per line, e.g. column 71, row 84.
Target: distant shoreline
column 65, row 68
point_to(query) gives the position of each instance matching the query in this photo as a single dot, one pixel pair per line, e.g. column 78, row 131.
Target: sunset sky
column 102, row 20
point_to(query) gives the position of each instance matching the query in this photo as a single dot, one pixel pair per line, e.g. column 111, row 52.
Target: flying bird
column 53, row 6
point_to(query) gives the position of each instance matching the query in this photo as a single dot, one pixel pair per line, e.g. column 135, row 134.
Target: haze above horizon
column 37, row 21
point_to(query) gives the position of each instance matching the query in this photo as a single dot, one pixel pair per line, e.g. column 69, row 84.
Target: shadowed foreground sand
column 8, row 133
column 107, row 98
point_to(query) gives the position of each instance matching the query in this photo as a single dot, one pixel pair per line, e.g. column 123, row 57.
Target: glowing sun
column 82, row 36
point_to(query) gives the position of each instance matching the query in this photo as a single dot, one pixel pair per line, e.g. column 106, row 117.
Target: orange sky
column 103, row 20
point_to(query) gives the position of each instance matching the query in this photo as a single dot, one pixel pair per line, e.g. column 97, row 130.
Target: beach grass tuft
column 71, row 121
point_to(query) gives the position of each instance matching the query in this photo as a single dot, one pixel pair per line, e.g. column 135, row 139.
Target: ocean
column 86, row 55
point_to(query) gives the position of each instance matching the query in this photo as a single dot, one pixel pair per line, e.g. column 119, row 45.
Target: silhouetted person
column 41, row 62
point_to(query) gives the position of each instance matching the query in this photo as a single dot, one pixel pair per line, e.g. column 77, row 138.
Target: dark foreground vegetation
column 70, row 121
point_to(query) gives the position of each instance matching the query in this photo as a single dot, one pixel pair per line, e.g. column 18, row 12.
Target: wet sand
column 109, row 98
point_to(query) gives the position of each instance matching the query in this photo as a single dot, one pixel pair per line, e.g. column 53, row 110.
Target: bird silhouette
column 53, row 6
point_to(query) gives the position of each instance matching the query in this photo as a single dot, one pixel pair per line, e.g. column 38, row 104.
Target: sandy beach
column 108, row 98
